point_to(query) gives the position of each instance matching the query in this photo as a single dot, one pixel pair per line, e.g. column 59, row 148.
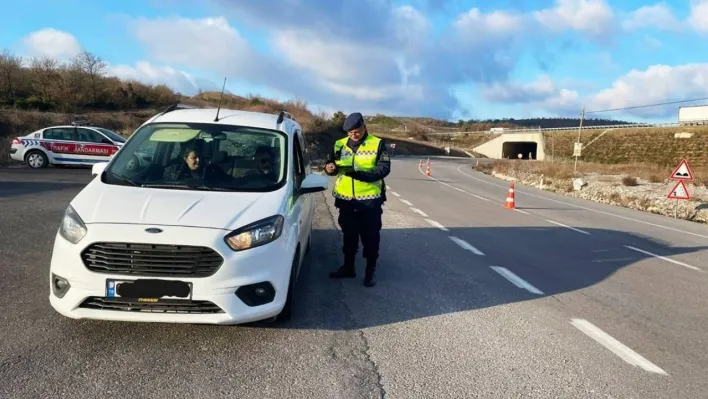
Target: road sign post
column 682, row 173
column 580, row 129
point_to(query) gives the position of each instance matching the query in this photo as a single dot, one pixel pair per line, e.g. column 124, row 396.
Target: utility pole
column 582, row 117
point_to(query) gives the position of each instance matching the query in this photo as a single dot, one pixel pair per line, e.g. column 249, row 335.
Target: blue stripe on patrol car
column 77, row 160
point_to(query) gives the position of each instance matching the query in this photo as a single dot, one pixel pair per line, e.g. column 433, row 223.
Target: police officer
column 360, row 162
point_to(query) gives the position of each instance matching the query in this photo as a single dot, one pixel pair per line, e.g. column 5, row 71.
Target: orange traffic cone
column 510, row 203
column 420, row 163
column 427, row 171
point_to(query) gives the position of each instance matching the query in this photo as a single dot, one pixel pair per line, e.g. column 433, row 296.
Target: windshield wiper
column 185, row 186
column 124, row 179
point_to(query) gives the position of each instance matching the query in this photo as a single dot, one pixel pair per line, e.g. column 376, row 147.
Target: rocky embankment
column 610, row 189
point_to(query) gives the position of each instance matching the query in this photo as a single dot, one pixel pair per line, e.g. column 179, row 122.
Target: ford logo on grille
column 153, row 230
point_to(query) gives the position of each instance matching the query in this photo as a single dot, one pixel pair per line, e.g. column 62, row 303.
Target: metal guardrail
column 558, row 129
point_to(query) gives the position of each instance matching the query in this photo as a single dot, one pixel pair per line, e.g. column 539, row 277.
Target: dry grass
column 630, row 174
column 657, row 146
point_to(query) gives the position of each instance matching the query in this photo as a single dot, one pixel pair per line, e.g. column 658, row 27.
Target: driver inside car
column 192, row 168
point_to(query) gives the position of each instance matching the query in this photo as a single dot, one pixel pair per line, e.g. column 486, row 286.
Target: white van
column 194, row 220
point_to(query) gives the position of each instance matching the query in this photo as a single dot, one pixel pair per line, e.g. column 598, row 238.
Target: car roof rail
column 284, row 114
column 177, row 106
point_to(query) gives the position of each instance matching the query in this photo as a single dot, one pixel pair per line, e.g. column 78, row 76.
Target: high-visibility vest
column 364, row 159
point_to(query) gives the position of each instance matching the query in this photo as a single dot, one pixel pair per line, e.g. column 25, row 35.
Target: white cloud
column 656, row 84
column 147, row 73
column 657, row 16
column 593, row 17
column 698, row 18
column 542, row 93
column 51, row 43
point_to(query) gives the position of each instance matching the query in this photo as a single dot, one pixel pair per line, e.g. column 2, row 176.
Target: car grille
column 151, row 259
column 167, row 306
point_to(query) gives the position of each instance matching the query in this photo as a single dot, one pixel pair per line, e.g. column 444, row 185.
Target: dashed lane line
column 516, row 280
column 664, row 258
column 488, row 200
column 436, row 224
column 465, row 245
column 567, row 227
column 405, row 202
column 395, row 193
column 418, row 211
column 616, row 347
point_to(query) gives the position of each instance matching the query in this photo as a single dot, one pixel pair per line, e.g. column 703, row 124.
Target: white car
column 66, row 145
column 151, row 239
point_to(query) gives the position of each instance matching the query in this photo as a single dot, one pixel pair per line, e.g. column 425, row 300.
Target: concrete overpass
column 510, row 145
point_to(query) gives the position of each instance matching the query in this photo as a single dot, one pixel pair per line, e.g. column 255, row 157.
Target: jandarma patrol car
column 66, row 145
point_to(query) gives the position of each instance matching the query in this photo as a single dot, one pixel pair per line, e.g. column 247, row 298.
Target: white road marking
column 586, row 208
column 405, row 202
column 567, row 227
column 388, row 187
column 612, row 260
column 465, row 245
column 524, row 212
column 418, row 211
column 436, row 224
column 455, row 188
column 616, row 347
column 664, row 258
column 395, row 193
column 516, row 280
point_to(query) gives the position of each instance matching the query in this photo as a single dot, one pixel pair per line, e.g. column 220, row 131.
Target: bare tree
column 45, row 76
column 10, row 69
column 95, row 68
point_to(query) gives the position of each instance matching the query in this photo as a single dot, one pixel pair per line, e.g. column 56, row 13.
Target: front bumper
column 214, row 297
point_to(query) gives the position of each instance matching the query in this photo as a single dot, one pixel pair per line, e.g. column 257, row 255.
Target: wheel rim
column 35, row 160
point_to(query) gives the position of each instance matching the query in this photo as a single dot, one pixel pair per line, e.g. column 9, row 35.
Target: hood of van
column 106, row 203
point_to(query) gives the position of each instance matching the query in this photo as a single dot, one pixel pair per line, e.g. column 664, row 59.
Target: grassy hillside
column 656, row 146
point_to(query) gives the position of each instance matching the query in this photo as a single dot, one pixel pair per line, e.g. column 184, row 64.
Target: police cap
column 354, row 120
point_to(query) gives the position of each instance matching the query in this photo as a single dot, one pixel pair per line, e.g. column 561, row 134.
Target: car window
column 89, row 136
column 112, row 135
column 202, row 156
column 298, row 162
column 59, row 133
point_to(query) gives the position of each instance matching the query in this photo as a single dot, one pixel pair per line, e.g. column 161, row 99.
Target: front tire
column 36, row 159
column 287, row 313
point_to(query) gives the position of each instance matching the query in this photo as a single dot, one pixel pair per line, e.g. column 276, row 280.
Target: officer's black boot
column 347, row 270
column 369, row 278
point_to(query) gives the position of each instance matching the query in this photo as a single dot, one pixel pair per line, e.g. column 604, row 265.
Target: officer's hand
column 329, row 168
column 353, row 174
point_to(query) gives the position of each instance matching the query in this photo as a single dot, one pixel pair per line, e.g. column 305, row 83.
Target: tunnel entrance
column 527, row 149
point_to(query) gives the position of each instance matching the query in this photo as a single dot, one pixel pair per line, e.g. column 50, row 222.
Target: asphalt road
column 561, row 298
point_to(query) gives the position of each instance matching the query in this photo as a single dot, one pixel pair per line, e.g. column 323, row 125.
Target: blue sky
column 447, row 58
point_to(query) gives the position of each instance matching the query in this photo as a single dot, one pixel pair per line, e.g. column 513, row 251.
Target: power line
column 645, row 106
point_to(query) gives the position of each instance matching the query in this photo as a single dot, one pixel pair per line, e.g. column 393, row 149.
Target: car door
column 92, row 146
column 59, row 143
column 309, row 201
column 300, row 208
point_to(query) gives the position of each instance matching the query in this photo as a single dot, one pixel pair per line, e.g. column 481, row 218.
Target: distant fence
column 557, row 129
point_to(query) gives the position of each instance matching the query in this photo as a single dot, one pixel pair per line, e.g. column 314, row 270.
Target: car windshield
column 112, row 135
column 201, row 156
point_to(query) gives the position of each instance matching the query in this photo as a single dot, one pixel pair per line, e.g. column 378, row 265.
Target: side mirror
column 314, row 183
column 98, row 168
column 106, row 141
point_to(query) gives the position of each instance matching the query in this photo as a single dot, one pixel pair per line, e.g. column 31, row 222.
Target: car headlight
column 72, row 227
column 255, row 234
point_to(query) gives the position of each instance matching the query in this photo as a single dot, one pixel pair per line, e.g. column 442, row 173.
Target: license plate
column 147, row 290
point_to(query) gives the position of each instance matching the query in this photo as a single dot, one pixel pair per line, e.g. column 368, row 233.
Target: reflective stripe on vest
column 364, row 159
